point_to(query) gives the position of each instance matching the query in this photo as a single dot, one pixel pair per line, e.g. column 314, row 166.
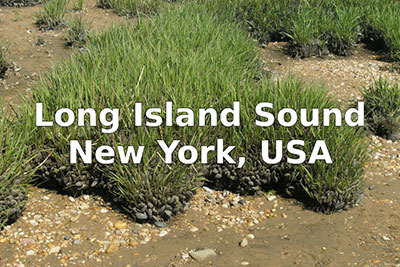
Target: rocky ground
column 220, row 228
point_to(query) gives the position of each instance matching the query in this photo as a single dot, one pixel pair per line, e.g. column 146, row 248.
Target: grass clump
column 51, row 17
column 77, row 5
column 14, row 175
column 163, row 58
column 313, row 27
column 133, row 8
column 19, row 3
column 306, row 37
column 3, row 60
column 194, row 58
column 382, row 109
column 342, row 28
column 382, row 31
column 320, row 186
column 79, row 32
column 104, row 4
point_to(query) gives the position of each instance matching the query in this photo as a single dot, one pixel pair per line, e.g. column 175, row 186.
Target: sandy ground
column 58, row 230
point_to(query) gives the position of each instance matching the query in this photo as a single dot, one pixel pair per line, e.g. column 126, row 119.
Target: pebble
column 208, row 190
column 77, row 242
column 160, row 224
column 55, row 250
column 163, row 233
column 194, row 229
column 141, row 216
column 30, row 253
column 244, row 263
column 202, row 255
column 244, row 243
column 120, row 225
column 67, row 237
column 74, row 218
column 271, row 197
column 103, row 210
column 112, row 248
column 250, row 236
column 371, row 187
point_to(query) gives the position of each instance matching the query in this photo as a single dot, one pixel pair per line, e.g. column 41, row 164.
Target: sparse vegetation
column 3, row 60
column 79, row 32
column 314, row 27
column 382, row 109
column 14, row 174
column 132, row 8
column 51, row 17
column 77, row 5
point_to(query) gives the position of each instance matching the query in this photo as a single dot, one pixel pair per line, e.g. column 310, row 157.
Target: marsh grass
column 133, row 8
column 78, row 33
column 321, row 186
column 14, row 171
column 311, row 26
column 196, row 59
column 77, row 5
column 382, row 108
column 51, row 17
column 3, row 59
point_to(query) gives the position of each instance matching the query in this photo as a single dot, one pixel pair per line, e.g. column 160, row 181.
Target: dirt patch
column 33, row 51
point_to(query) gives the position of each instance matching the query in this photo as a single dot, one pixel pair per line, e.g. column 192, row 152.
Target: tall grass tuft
column 382, row 108
column 133, row 8
column 79, row 32
column 14, row 170
column 3, row 60
column 51, row 17
column 77, row 5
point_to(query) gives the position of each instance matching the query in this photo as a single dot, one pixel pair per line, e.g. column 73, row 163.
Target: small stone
column 250, row 236
column 74, row 218
column 112, row 248
column 193, row 229
column 74, row 231
column 244, row 243
column 208, row 190
column 271, row 197
column 202, row 255
column 371, row 187
column 77, row 242
column 84, row 206
column 120, row 225
column 160, row 224
column 71, row 199
column 30, row 253
column 67, row 237
column 103, row 210
column 141, row 216
column 55, row 250
column 242, row 202
column 163, row 233
column 386, row 238
column 244, row 263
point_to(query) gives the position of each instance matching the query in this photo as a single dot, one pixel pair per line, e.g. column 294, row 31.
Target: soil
column 61, row 230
